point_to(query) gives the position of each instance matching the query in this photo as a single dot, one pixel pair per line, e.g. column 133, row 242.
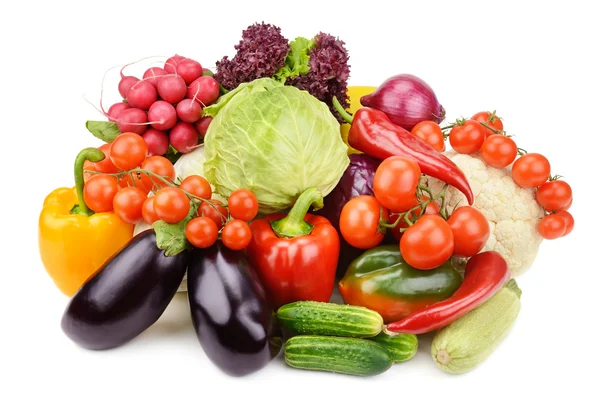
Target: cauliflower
column 513, row 212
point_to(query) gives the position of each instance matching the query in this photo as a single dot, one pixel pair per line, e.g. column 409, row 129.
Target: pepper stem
column 94, row 155
column 344, row 114
column 293, row 224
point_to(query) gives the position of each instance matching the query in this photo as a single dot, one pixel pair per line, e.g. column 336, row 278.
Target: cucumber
column 329, row 319
column 402, row 347
column 349, row 356
column 468, row 341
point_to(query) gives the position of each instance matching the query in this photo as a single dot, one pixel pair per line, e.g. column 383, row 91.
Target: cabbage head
column 275, row 140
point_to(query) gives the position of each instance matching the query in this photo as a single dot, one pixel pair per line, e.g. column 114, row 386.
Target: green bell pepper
column 382, row 281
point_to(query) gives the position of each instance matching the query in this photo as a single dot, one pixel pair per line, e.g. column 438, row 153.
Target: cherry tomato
column 428, row 243
column 106, row 165
column 214, row 211
column 243, row 205
column 99, row 191
column 171, row 204
column 89, row 166
column 570, row 204
column 197, row 185
column 552, row 226
column 148, row 211
column 468, row 137
column 236, row 234
column 430, row 133
column 491, row 120
column 470, row 230
column 135, row 181
column 531, row 170
column 359, row 222
column 432, row 208
column 569, row 221
column 160, row 166
column 554, row 195
column 201, row 232
column 128, row 203
column 395, row 183
column 499, row 151
column 128, row 151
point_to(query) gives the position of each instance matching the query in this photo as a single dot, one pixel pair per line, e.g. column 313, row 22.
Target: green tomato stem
column 345, row 114
column 88, row 154
column 293, row 224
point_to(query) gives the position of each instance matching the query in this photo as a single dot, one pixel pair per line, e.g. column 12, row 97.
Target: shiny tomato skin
column 468, row 137
column 430, row 133
column 531, row 170
column 499, row 151
column 552, row 227
column 395, row 183
column 470, row 230
column 554, row 195
column 491, row 120
column 428, row 243
column 359, row 222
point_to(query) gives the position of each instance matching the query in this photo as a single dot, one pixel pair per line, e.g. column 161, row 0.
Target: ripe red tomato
column 243, row 204
column 128, row 151
column 491, row 120
column 171, row 204
column 431, row 209
column 198, row 186
column 470, row 230
column 214, row 211
column 89, row 166
column 128, row 203
column 428, row 243
column 359, row 222
column 201, row 232
column 552, row 226
column 236, row 234
column 395, row 183
column 106, row 165
column 161, row 167
column 554, row 195
column 136, row 181
column 430, row 133
column 99, row 191
column 468, row 137
column 148, row 211
column 499, row 151
column 569, row 221
column 531, row 170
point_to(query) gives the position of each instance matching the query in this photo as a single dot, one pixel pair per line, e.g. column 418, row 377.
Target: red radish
column 189, row 110
column 157, row 141
column 153, row 75
column 142, row 95
column 115, row 110
column 162, row 115
column 133, row 120
column 205, row 90
column 172, row 88
column 171, row 63
column 125, row 84
column 183, row 137
column 189, row 70
column 202, row 125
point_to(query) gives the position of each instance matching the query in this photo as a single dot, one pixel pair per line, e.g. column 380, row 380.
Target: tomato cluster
column 427, row 236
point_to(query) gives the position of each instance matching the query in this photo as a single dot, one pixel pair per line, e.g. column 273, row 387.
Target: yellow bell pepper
column 354, row 95
column 73, row 241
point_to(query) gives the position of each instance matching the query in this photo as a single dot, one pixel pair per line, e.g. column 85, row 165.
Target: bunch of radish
column 165, row 106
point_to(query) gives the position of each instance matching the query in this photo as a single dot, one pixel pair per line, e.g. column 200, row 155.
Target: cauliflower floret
column 513, row 212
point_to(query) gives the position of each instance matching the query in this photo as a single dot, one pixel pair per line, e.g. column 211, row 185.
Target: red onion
column 407, row 100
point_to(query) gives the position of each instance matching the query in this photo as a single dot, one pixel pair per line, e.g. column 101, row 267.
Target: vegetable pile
column 261, row 190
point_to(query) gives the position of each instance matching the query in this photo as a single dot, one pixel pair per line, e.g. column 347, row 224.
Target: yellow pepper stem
column 88, row 154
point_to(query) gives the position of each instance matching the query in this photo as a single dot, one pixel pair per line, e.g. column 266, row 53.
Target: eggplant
column 127, row 295
column 230, row 312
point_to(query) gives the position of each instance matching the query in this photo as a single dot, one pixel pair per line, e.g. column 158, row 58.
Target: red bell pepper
column 295, row 255
column 485, row 274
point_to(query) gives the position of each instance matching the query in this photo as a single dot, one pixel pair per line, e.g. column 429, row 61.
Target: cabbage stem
column 293, row 224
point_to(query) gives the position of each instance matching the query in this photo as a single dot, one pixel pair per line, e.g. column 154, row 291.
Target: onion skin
column 407, row 100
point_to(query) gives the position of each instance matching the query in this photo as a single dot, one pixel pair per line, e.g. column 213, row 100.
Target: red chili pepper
column 373, row 133
column 296, row 255
column 485, row 274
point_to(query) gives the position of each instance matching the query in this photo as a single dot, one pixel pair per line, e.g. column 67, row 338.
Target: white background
column 536, row 64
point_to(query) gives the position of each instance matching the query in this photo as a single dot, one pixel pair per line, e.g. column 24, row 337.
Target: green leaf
column 296, row 62
column 103, row 130
column 171, row 237
column 172, row 154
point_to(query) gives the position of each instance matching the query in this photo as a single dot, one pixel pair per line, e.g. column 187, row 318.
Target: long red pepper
column 373, row 133
column 485, row 274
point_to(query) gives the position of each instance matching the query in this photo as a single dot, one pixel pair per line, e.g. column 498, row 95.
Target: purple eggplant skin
column 230, row 312
column 126, row 296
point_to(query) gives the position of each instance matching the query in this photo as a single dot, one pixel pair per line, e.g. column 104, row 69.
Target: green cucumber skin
column 329, row 319
column 402, row 347
column 351, row 356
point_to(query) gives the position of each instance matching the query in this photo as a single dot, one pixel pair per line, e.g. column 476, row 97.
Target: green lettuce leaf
column 171, row 237
column 296, row 62
column 103, row 130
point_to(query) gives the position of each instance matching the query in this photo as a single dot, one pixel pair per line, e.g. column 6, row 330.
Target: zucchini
column 402, row 346
column 468, row 341
column 329, row 319
column 350, row 356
